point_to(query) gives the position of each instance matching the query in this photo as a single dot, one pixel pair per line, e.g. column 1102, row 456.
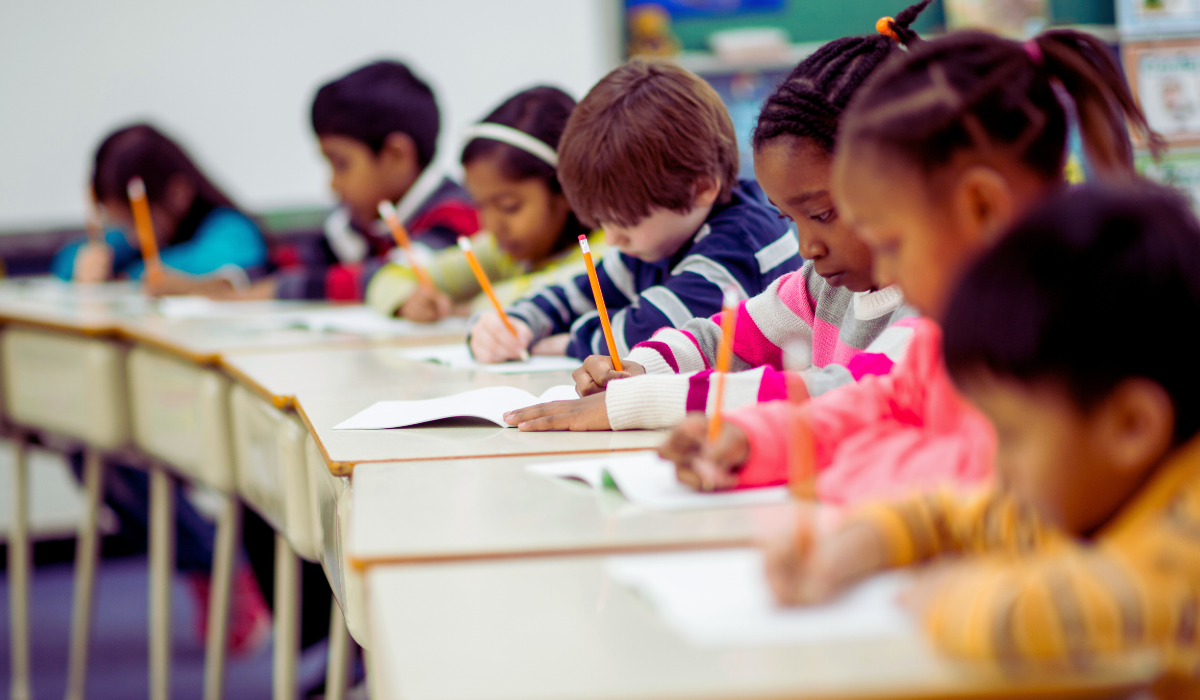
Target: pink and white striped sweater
column 831, row 335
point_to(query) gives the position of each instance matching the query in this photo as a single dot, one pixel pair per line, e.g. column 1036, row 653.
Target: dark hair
column 641, row 139
column 541, row 112
column 974, row 90
column 377, row 100
column 142, row 151
column 810, row 102
column 1051, row 299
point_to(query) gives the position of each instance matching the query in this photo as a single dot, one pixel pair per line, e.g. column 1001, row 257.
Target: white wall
column 233, row 80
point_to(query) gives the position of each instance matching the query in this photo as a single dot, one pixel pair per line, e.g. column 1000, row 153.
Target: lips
column 835, row 279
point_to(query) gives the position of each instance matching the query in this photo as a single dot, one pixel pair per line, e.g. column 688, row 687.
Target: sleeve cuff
column 649, row 401
column 651, row 359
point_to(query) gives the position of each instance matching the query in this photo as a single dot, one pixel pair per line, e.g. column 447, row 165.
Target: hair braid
column 810, row 102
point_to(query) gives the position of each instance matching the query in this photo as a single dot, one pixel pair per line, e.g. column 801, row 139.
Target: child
column 651, row 155
column 205, row 243
column 1087, row 543
column 378, row 129
column 531, row 238
column 827, row 313
column 938, row 154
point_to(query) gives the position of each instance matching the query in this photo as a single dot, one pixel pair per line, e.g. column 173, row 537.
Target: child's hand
column 597, row 371
column 702, row 466
column 492, row 342
column 426, row 306
column 804, row 569
column 93, row 263
column 582, row 414
column 169, row 283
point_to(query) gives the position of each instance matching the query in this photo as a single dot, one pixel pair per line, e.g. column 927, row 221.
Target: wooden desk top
column 446, row 510
column 558, row 628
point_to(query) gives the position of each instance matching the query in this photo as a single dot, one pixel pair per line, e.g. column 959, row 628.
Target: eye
column 825, row 216
column 783, row 216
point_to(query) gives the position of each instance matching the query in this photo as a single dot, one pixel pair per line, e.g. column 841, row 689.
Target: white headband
column 513, row 137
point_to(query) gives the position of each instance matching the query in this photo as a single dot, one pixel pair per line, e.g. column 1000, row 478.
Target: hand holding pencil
column 495, row 337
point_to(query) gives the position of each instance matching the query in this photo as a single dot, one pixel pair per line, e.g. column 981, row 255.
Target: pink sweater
column 885, row 436
column 799, row 323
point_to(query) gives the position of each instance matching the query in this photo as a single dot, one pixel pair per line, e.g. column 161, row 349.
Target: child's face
column 915, row 243
column 1075, row 468
column 661, row 234
column 795, row 174
column 118, row 215
column 526, row 218
column 362, row 178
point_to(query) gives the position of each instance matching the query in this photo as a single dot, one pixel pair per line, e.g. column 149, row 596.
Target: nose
column 811, row 247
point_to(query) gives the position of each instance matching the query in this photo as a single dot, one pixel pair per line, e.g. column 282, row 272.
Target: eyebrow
column 807, row 197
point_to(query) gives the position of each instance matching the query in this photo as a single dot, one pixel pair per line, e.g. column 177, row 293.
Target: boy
column 378, row 129
column 1089, row 542
column 650, row 155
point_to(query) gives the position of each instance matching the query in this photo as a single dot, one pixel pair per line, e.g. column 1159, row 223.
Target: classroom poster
column 1147, row 17
column 1178, row 169
column 1165, row 76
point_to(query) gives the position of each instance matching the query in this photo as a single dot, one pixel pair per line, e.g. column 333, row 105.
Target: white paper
column 722, row 599
column 363, row 320
column 647, row 480
column 489, row 404
column 459, row 357
column 194, row 307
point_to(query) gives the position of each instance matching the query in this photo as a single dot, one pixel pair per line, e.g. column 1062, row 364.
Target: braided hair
column 974, row 90
column 810, row 102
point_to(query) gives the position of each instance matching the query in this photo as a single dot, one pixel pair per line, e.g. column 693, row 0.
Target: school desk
column 558, row 628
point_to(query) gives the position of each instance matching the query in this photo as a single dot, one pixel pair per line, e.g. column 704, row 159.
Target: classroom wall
column 233, row 79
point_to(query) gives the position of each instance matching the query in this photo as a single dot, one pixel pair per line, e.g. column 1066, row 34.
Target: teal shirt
column 224, row 237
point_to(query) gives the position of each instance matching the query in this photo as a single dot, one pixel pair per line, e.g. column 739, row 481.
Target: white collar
column 872, row 305
column 425, row 185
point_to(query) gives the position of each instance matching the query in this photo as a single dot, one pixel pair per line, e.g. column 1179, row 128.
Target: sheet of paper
column 194, row 307
column 489, row 404
column 363, row 320
column 722, row 599
column 459, row 357
column 646, row 480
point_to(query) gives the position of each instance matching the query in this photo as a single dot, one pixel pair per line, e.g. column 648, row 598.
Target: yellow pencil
column 802, row 472
column 387, row 211
column 145, row 228
column 465, row 244
column 600, row 307
column 724, row 354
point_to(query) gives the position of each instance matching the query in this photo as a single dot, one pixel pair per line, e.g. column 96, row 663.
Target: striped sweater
column 743, row 245
column 1035, row 593
column 799, row 323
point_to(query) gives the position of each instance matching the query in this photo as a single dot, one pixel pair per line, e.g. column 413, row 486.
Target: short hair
column 1095, row 286
column 376, row 100
column 641, row 139
column 971, row 90
column 810, row 102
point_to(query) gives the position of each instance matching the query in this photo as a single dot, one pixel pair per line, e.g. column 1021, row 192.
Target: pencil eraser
column 387, row 210
column 730, row 297
column 136, row 189
column 464, row 243
column 583, row 244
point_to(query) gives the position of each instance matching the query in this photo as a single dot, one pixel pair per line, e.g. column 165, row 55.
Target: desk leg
column 162, row 566
column 287, row 620
column 19, row 565
column 229, row 527
column 87, row 547
column 337, row 670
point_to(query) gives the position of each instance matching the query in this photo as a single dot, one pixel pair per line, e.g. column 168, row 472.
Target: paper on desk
column 647, row 480
column 489, row 404
column 194, row 307
column 459, row 357
column 363, row 320
column 722, row 599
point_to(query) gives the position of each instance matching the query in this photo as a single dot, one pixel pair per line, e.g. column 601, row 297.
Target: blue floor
column 117, row 666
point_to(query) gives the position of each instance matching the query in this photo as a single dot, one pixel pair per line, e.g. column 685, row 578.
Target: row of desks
column 464, row 575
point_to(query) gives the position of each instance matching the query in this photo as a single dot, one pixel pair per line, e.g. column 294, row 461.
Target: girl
column 938, row 154
column 206, row 244
column 531, row 238
column 826, row 313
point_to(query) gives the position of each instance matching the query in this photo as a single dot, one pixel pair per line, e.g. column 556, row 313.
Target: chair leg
column 162, row 568
column 229, row 527
column 20, row 563
column 87, row 549
column 287, row 620
column 337, row 669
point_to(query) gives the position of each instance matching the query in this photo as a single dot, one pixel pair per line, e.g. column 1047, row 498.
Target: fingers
column 783, row 569
column 492, row 342
column 531, row 412
column 581, row 414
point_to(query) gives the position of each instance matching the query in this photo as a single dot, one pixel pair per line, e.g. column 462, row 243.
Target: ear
column 400, row 151
column 708, row 188
column 179, row 195
column 1136, row 425
column 983, row 203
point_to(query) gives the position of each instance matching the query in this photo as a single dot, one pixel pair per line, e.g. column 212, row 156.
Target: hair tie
column 1034, row 50
column 513, row 137
column 884, row 27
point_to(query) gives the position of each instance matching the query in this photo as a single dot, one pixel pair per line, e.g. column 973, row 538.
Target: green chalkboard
column 822, row 20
